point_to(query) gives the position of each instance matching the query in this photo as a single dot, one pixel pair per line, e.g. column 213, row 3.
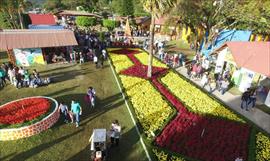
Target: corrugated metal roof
column 11, row 39
column 42, row 19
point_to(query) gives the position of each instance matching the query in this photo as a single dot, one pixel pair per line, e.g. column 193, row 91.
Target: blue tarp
column 55, row 27
column 227, row 35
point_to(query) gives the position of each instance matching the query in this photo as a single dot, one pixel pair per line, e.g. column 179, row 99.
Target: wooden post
column 11, row 56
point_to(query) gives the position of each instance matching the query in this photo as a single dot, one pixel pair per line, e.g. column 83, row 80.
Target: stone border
column 36, row 128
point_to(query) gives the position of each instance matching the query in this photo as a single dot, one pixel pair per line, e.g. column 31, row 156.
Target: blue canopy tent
column 39, row 27
column 224, row 36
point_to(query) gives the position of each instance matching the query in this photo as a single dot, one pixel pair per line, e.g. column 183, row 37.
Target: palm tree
column 14, row 9
column 21, row 5
column 156, row 8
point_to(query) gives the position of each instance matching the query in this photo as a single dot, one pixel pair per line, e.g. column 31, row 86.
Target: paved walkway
column 257, row 116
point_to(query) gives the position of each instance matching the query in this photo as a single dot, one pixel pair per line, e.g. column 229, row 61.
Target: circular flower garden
column 26, row 117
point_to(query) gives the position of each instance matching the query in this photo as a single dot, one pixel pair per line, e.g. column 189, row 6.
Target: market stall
column 25, row 46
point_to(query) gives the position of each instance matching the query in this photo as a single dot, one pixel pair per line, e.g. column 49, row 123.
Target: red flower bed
column 140, row 70
column 202, row 137
column 23, row 110
column 125, row 51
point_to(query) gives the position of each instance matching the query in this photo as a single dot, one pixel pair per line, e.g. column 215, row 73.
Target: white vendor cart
column 98, row 145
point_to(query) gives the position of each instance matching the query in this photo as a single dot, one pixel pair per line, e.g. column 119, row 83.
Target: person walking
column 117, row 129
column 212, row 85
column 91, row 93
column 224, row 86
column 96, row 60
column 115, row 133
column 2, row 78
column 245, row 99
column 252, row 98
column 63, row 109
column 204, row 80
column 76, row 110
column 81, row 58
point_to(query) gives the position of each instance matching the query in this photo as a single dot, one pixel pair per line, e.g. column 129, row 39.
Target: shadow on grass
column 62, row 67
column 29, row 153
column 5, row 157
column 61, row 76
column 102, row 106
column 125, row 151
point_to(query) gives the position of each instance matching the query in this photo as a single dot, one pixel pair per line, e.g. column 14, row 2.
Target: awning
column 38, row 27
column 11, row 39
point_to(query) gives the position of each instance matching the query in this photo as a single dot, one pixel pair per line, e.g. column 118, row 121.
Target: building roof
column 10, row 39
column 142, row 20
column 42, row 19
column 254, row 56
column 160, row 21
column 76, row 13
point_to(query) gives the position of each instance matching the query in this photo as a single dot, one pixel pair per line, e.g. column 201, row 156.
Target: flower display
column 205, row 138
column 143, row 58
column 120, row 62
column 151, row 110
column 23, row 110
column 203, row 128
column 196, row 100
column 262, row 147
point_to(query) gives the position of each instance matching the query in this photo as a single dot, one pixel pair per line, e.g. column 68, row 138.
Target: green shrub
column 83, row 21
column 110, row 24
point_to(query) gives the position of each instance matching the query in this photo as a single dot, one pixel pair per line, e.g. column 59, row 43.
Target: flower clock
column 202, row 128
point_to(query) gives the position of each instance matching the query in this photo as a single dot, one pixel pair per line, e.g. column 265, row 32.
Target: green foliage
column 4, row 23
column 53, row 5
column 83, row 21
column 101, row 36
column 110, row 24
column 123, row 7
column 138, row 8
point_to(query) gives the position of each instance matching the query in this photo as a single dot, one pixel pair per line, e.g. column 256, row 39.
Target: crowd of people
column 20, row 77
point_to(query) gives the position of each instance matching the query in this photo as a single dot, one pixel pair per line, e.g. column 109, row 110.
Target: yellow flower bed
column 151, row 110
column 162, row 156
column 143, row 58
column 262, row 147
column 120, row 62
column 196, row 100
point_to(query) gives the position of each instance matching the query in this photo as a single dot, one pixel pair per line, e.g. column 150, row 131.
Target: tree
column 156, row 8
column 53, row 5
column 110, row 24
column 138, row 8
column 12, row 12
column 123, row 7
column 85, row 22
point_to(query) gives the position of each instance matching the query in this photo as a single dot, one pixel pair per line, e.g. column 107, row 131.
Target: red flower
column 23, row 110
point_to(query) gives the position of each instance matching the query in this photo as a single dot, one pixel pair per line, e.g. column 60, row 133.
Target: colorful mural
column 28, row 57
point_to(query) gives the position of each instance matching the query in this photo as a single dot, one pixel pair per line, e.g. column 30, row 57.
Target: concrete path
column 255, row 115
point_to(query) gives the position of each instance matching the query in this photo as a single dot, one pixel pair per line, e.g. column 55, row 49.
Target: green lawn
column 177, row 46
column 65, row 141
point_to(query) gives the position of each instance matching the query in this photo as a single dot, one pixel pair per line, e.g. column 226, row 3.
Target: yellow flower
column 196, row 100
column 151, row 110
column 143, row 58
column 262, row 147
column 120, row 62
